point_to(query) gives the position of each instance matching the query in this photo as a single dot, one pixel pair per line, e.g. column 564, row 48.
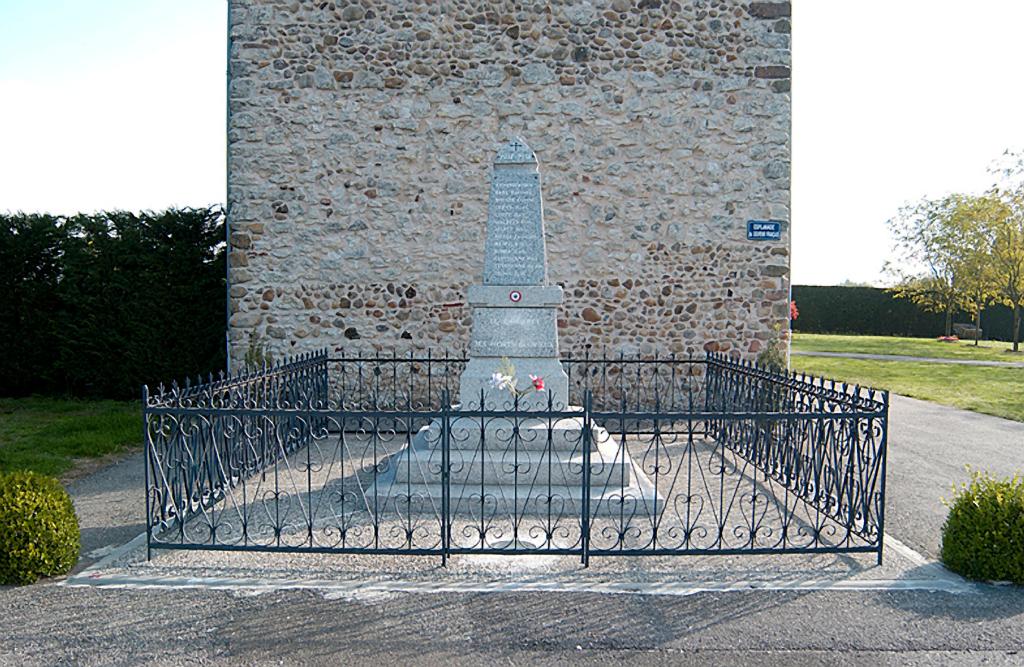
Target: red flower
column 538, row 382
column 793, row 312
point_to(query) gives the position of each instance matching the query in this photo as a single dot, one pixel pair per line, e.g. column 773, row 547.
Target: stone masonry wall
column 361, row 136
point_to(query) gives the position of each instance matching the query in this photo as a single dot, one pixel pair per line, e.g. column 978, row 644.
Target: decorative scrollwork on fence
column 651, row 456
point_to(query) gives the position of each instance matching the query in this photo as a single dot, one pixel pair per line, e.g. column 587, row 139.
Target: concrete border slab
column 110, row 572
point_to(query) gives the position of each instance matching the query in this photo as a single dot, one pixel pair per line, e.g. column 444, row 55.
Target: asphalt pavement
column 930, row 447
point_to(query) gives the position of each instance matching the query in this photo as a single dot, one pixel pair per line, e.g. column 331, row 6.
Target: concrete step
column 563, row 502
column 508, row 467
column 527, row 433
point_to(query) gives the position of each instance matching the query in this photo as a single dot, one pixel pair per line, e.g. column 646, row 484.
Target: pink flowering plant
column 505, row 378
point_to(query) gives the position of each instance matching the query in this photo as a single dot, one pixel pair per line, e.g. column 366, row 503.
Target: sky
column 112, row 104
column 119, row 104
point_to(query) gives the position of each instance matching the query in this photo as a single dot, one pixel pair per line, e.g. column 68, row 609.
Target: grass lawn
column 987, row 350
column 991, row 390
column 47, row 435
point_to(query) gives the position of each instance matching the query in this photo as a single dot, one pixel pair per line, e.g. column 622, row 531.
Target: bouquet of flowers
column 505, row 378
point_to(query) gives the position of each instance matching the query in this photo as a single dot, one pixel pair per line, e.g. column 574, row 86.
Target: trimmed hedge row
column 96, row 305
column 876, row 312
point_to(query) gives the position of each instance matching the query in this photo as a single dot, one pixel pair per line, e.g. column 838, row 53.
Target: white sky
column 110, row 104
column 120, row 104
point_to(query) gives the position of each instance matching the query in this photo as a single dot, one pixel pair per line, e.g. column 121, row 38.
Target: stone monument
column 515, row 310
column 523, row 462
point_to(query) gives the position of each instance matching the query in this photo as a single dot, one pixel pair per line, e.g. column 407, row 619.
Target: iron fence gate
column 647, row 456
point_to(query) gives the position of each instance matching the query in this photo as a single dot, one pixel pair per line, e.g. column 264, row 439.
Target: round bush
column 983, row 537
column 39, row 535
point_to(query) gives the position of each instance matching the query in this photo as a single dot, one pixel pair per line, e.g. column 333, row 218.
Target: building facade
column 360, row 139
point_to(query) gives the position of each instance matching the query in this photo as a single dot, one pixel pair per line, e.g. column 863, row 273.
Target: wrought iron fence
column 195, row 456
column 653, row 456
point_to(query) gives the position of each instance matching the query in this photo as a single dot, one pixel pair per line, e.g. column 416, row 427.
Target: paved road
column 44, row 625
column 929, row 444
column 903, row 357
column 929, row 447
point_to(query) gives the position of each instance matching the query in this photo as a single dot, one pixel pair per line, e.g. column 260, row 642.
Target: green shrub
column 983, row 537
column 39, row 535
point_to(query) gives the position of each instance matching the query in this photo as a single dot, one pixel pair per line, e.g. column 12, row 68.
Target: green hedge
column 873, row 311
column 96, row 305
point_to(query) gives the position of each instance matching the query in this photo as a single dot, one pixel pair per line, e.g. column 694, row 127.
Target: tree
column 974, row 220
column 1008, row 258
column 1007, row 233
column 930, row 237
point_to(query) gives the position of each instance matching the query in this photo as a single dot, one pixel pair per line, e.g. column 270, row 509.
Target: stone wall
column 361, row 135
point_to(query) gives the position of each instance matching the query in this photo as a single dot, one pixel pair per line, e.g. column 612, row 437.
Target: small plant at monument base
column 39, row 535
column 505, row 378
column 256, row 356
column 983, row 537
column 773, row 356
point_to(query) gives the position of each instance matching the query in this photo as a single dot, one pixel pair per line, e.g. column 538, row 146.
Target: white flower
column 501, row 381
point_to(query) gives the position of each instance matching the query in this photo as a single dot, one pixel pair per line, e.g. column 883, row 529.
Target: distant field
column 48, row 435
column 912, row 347
column 990, row 390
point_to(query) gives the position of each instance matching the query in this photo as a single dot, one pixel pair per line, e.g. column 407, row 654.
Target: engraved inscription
column 515, row 232
column 514, row 332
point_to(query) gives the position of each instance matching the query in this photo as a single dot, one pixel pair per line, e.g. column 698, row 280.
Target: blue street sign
column 764, row 230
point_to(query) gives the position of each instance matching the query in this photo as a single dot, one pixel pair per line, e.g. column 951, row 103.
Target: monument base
column 524, row 467
column 477, row 377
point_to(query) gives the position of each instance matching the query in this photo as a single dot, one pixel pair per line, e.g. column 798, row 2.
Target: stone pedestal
column 528, row 467
column 519, row 323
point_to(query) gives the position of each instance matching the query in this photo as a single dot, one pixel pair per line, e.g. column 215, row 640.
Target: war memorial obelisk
column 515, row 310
